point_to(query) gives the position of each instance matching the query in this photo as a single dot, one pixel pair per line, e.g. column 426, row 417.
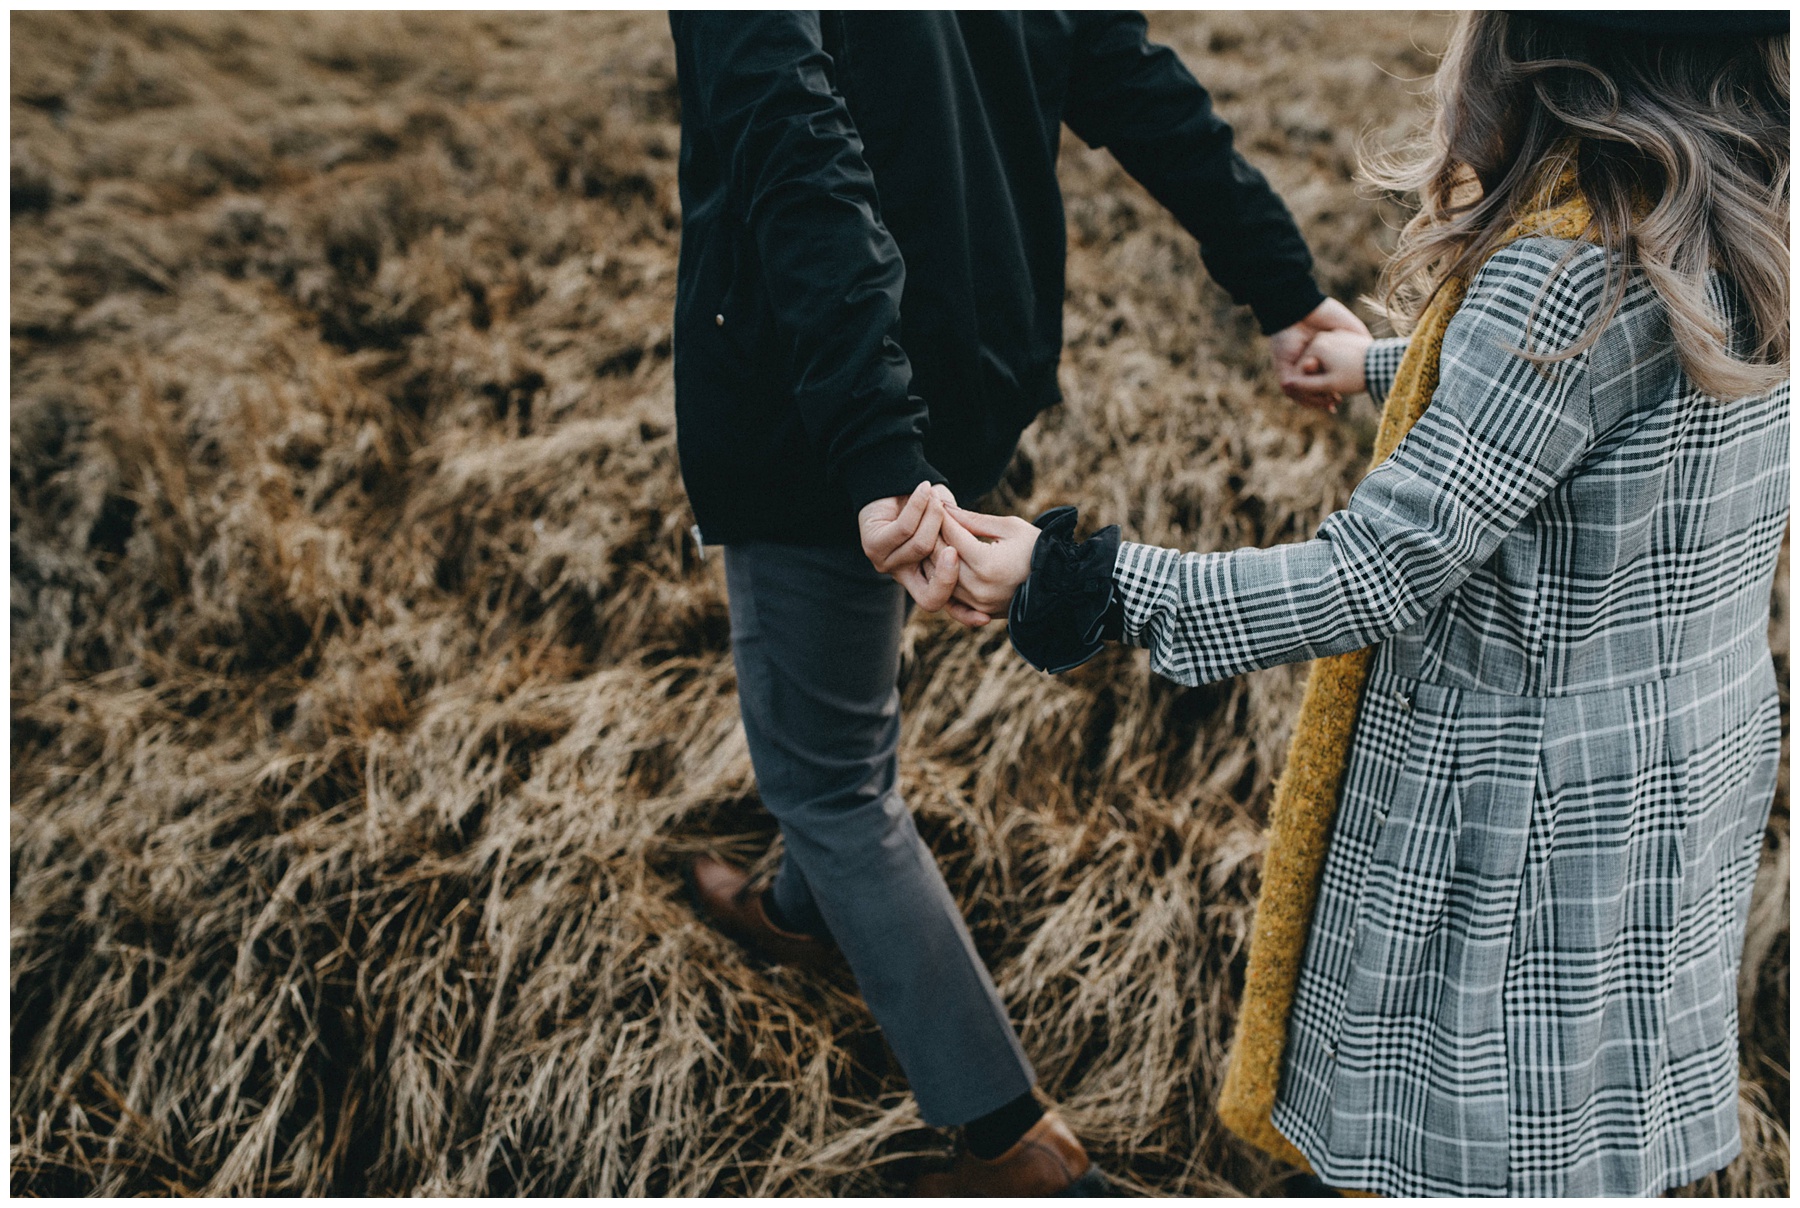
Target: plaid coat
column 1521, row 973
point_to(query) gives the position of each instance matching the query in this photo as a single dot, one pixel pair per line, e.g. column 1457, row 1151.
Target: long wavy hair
column 1679, row 144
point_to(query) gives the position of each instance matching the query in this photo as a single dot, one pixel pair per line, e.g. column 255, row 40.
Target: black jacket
column 871, row 281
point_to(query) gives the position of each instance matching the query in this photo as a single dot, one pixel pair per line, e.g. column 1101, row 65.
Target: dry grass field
column 368, row 696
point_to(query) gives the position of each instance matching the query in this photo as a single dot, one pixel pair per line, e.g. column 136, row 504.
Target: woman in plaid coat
column 1520, row 974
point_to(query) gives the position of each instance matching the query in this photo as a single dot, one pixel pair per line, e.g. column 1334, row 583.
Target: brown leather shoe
column 731, row 905
column 1047, row 1160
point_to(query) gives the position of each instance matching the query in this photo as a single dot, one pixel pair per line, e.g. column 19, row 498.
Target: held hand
column 1334, row 362
column 1288, row 346
column 995, row 556
column 900, row 538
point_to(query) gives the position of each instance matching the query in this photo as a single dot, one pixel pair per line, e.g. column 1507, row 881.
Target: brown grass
column 367, row 698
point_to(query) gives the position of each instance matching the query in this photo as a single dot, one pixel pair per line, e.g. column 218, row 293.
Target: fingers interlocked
column 901, row 535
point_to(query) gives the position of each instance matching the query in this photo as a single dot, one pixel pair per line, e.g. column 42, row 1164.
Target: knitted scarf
column 1306, row 796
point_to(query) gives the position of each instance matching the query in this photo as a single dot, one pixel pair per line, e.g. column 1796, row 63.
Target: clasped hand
column 970, row 564
column 948, row 559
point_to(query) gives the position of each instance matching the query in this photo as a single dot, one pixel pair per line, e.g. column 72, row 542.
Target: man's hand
column 1334, row 362
column 900, row 535
column 995, row 552
column 1288, row 346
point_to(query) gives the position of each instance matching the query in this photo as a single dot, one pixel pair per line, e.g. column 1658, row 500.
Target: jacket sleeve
column 805, row 199
column 1381, row 365
column 1137, row 100
column 1501, row 432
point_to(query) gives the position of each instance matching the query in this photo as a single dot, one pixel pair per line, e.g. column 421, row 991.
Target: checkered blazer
column 1522, row 969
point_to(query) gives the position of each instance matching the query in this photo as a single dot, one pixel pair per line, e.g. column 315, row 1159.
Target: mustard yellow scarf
column 1306, row 797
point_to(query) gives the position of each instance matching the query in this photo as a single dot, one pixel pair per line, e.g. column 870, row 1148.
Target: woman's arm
column 1381, row 363
column 1500, row 433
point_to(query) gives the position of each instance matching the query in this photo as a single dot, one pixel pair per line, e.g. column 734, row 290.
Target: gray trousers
column 815, row 632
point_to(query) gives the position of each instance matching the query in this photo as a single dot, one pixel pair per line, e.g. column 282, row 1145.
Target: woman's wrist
column 1068, row 607
column 1381, row 362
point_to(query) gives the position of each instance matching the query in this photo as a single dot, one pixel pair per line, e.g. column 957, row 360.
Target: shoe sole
column 1091, row 1185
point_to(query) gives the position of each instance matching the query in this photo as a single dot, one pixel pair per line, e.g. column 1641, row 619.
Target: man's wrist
column 885, row 470
column 1282, row 305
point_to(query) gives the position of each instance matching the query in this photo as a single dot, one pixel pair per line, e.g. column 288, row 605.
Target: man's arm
column 1137, row 100
column 802, row 195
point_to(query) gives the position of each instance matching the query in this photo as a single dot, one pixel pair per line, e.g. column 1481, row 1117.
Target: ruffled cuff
column 1069, row 606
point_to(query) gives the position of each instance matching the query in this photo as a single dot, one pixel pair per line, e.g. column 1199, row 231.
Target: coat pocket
column 1418, row 811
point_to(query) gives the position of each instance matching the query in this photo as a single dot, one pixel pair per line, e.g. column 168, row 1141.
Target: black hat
column 1684, row 23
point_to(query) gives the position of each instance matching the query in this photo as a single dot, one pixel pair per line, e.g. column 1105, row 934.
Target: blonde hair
column 1679, row 144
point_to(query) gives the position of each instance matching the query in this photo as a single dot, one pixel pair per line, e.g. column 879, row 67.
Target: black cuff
column 1069, row 606
column 893, row 467
column 1281, row 305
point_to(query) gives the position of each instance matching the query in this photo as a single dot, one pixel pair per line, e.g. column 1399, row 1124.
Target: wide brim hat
column 1674, row 23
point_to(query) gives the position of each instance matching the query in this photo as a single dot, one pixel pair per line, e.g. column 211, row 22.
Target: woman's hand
column 1333, row 362
column 1289, row 346
column 994, row 553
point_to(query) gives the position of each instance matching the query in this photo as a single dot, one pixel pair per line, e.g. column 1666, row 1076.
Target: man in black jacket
column 868, row 312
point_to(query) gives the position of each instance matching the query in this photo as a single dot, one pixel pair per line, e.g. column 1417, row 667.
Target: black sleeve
column 800, row 189
column 1069, row 605
column 1138, row 101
